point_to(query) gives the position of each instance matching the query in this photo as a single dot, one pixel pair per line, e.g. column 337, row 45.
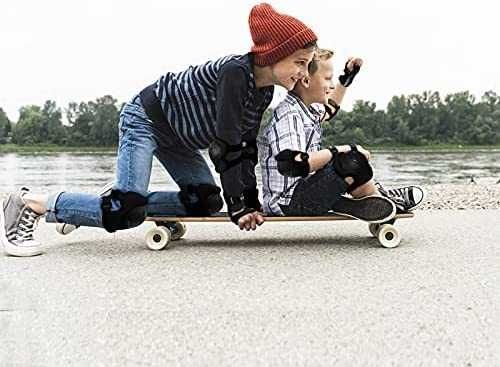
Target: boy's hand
column 365, row 152
column 250, row 221
column 353, row 62
column 352, row 67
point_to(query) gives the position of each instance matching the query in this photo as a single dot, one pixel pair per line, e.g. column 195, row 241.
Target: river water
column 87, row 172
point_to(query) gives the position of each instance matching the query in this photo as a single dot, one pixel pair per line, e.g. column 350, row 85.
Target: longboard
column 172, row 228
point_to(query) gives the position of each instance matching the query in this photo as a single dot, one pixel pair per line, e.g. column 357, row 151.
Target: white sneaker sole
column 65, row 228
column 14, row 250
column 424, row 195
column 352, row 208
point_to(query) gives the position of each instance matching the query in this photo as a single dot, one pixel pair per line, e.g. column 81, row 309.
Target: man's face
column 321, row 82
column 292, row 68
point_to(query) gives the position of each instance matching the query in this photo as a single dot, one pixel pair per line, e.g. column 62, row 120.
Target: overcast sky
column 72, row 50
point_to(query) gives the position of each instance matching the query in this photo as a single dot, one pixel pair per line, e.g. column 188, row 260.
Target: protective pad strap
column 249, row 150
column 122, row 210
column 201, row 200
column 353, row 164
column 224, row 155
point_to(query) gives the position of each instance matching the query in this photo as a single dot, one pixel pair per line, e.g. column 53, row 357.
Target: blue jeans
column 139, row 140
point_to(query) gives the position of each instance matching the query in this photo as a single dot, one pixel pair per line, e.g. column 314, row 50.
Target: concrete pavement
column 311, row 294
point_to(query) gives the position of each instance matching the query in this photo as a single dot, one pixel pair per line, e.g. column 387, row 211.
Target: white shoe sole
column 424, row 195
column 11, row 249
column 65, row 228
column 350, row 213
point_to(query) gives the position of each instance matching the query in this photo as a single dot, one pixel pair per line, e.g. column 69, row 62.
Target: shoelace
column 391, row 194
column 27, row 225
column 403, row 193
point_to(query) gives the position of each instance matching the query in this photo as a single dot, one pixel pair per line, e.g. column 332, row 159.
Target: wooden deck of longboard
column 222, row 217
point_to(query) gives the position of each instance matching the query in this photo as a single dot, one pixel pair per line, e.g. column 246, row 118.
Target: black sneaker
column 373, row 209
column 406, row 198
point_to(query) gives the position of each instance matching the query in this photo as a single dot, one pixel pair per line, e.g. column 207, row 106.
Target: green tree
column 104, row 129
column 5, row 127
column 38, row 125
column 27, row 129
column 422, row 118
column 94, row 123
column 80, row 119
column 51, row 129
column 457, row 114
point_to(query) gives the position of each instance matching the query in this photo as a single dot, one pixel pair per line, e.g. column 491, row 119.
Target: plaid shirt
column 293, row 126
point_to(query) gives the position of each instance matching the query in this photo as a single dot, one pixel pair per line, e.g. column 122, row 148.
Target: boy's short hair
column 321, row 54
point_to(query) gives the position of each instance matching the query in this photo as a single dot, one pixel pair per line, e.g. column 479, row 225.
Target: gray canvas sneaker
column 17, row 224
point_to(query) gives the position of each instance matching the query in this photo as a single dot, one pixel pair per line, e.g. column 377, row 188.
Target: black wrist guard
column 331, row 109
column 347, row 78
column 333, row 150
column 236, row 208
column 251, row 199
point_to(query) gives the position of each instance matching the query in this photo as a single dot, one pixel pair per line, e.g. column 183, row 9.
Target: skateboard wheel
column 158, row 238
column 178, row 230
column 388, row 236
column 373, row 228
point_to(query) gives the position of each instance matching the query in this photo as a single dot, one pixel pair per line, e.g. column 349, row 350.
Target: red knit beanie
column 275, row 35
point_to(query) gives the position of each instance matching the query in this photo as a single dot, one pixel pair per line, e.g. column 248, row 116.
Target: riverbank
column 445, row 148
column 453, row 196
column 461, row 197
column 52, row 149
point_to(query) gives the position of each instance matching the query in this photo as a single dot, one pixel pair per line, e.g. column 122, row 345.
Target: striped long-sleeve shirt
column 217, row 99
column 295, row 127
column 189, row 98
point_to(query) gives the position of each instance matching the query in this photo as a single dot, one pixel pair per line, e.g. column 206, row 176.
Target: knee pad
column 353, row 164
column 122, row 210
column 201, row 200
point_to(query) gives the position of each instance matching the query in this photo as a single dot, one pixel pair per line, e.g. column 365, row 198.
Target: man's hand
column 250, row 221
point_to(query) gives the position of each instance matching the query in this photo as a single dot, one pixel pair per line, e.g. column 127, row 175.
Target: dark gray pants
column 316, row 194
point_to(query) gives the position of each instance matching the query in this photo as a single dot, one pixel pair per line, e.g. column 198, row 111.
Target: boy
column 218, row 105
column 300, row 178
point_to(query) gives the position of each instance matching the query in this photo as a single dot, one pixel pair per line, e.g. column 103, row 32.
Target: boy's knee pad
column 122, row 210
column 201, row 200
column 353, row 164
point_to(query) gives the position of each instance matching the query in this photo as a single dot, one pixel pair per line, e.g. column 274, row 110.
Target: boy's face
column 321, row 82
column 288, row 71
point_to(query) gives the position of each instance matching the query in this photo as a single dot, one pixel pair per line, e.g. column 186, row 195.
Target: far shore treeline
column 414, row 120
